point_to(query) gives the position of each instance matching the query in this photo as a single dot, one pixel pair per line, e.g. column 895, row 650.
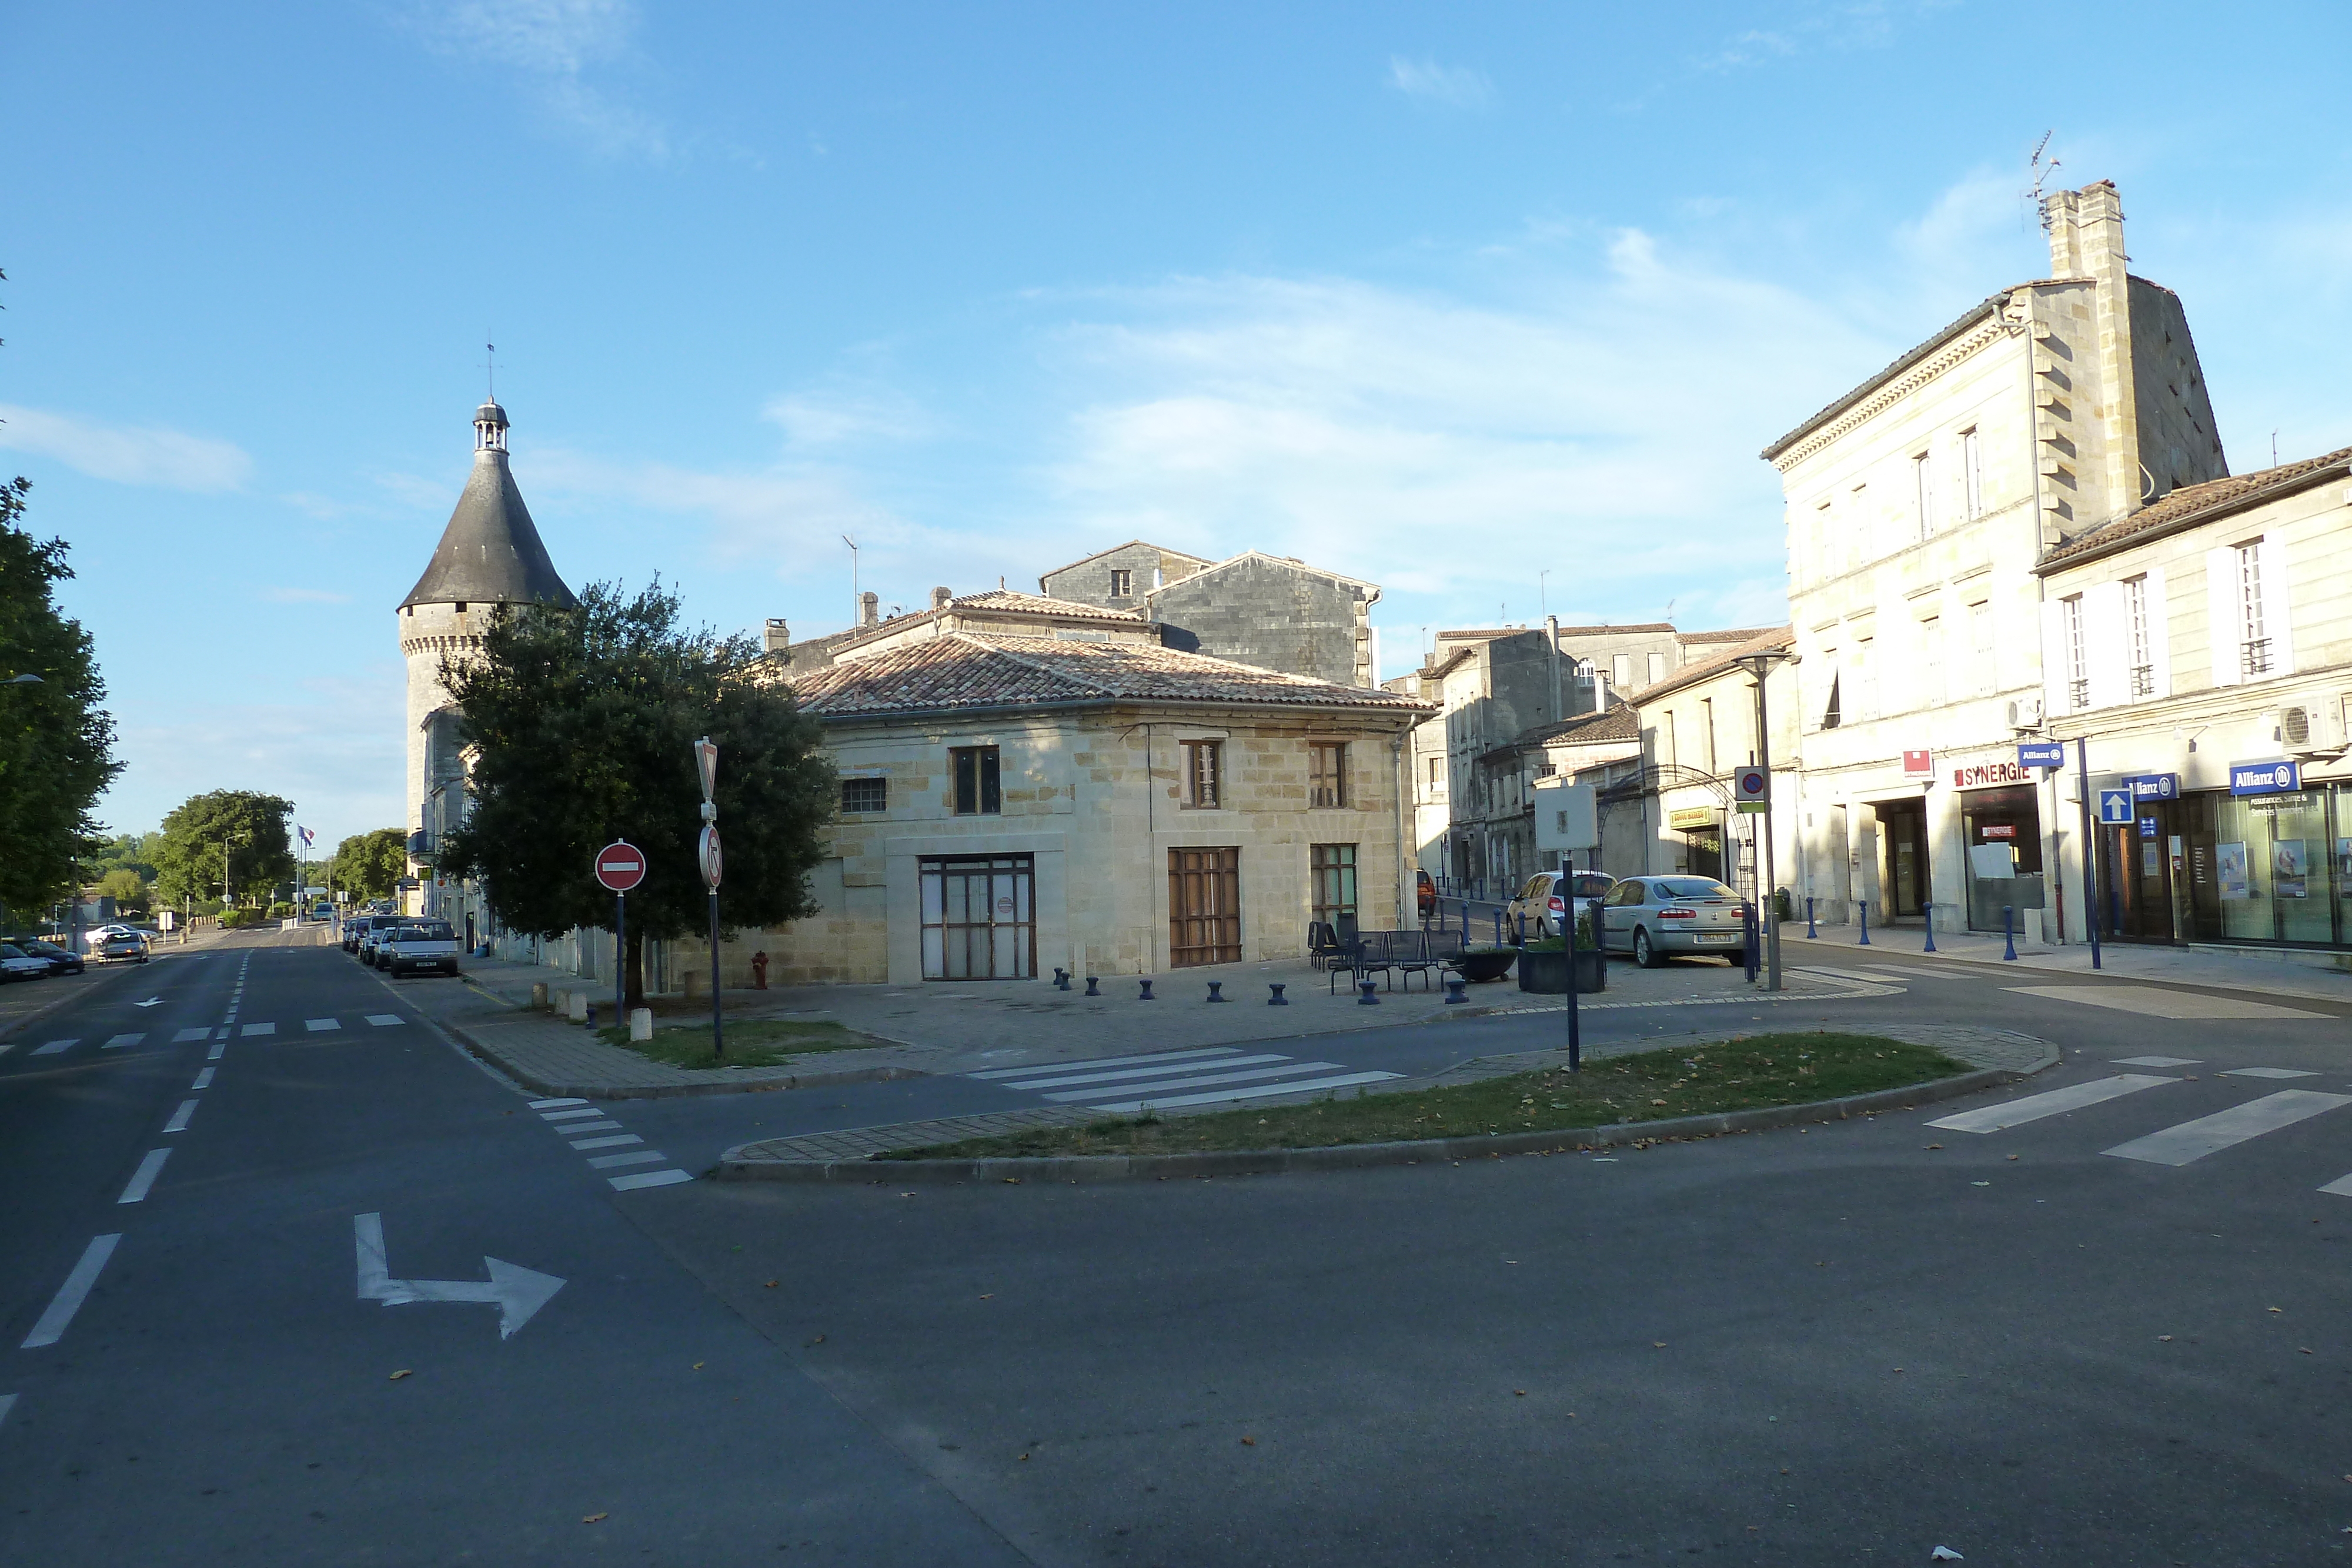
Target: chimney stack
column 870, row 609
column 939, row 598
column 777, row 638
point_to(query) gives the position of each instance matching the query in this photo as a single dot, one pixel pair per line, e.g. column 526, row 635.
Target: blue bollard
column 1277, row 1000
column 1811, row 934
column 2008, row 934
column 1147, row 995
column 1092, row 988
column 1061, row 979
column 1454, row 990
column 1216, row 990
column 1748, row 931
column 592, row 1015
column 1499, row 928
column 1931, row 930
column 1864, row 904
column 1368, row 993
column 1465, row 923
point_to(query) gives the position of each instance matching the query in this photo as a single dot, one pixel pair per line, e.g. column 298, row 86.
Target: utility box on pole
column 1567, row 817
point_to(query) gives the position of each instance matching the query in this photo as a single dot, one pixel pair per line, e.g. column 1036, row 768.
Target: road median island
column 1692, row 1091
column 751, row 1042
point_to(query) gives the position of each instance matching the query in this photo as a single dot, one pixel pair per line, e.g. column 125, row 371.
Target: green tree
column 130, row 851
column 56, row 746
column 584, row 723
column 125, row 886
column 369, row 865
column 249, row 828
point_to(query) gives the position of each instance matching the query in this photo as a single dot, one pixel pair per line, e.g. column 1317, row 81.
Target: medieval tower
column 490, row 554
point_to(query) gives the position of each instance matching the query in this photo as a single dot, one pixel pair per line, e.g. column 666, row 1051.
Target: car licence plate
column 1726, row 937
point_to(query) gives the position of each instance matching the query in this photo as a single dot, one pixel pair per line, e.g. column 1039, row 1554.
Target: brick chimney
column 777, row 638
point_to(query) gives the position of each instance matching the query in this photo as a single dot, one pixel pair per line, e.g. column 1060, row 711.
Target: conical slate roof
column 490, row 552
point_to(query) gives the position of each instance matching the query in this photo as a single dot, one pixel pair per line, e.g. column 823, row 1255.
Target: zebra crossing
column 129, row 1038
column 1170, row 1080
column 2181, row 1142
column 587, row 1126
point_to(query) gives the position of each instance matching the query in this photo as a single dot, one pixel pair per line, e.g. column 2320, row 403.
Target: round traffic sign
column 620, row 865
column 706, row 852
column 1751, row 783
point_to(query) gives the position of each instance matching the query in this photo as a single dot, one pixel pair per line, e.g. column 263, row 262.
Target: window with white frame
column 1657, row 668
column 2253, row 635
column 1972, row 472
column 1931, row 661
column 1982, row 677
column 1620, row 670
column 2135, row 631
column 1923, row 494
column 2078, row 654
column 1865, row 678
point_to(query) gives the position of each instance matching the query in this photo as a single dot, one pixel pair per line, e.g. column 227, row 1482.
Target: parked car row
column 402, row 944
column 31, row 958
column 1648, row 918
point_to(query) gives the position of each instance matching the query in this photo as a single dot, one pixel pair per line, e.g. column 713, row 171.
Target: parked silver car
column 1537, row 910
column 1653, row 917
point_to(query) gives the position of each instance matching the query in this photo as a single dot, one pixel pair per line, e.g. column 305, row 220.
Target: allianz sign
column 2264, row 778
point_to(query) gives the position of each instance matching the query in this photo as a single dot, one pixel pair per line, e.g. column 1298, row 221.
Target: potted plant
column 1544, row 965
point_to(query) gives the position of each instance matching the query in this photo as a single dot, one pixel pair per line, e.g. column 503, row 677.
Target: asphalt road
column 1847, row 1345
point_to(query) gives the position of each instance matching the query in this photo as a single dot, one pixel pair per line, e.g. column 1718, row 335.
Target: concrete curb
column 107, row 978
column 1360, row 1157
column 552, row 1089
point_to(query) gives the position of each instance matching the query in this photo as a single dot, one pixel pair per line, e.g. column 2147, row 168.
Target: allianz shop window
column 2269, row 862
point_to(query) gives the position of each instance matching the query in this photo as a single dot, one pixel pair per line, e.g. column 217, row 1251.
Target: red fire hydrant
column 759, row 971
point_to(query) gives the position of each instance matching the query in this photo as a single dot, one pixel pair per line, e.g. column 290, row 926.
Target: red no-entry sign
column 620, row 865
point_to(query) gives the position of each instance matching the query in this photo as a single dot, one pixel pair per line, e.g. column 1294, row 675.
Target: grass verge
column 751, row 1042
column 1683, row 1080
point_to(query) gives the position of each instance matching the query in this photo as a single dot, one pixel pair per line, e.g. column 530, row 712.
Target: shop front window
column 2003, row 832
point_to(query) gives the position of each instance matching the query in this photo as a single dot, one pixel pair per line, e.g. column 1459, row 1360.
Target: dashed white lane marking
column 249, row 1030
column 7, row 1402
column 552, row 1105
column 654, row 1158
column 1107, row 1061
column 120, row 1041
column 648, row 1179
column 179, row 1122
column 2033, row 1107
column 190, row 1036
column 2157, row 1003
column 215, row 1054
column 321, row 1026
column 2158, row 1060
column 383, row 1021
column 203, row 1080
column 2266, row 1072
column 57, row 1047
column 72, row 1293
column 1219, row 1096
column 608, row 1143
column 571, row 1115
column 604, row 1125
column 144, row 1176
column 2194, row 1140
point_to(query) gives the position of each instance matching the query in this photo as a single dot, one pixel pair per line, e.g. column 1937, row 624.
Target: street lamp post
column 1762, row 665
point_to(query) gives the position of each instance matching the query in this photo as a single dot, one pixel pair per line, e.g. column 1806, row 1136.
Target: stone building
column 2203, row 646
column 1272, row 611
column 1919, row 506
column 1014, row 804
column 490, row 554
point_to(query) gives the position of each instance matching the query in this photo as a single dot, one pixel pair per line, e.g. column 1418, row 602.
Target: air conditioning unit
column 2025, row 713
column 2312, row 727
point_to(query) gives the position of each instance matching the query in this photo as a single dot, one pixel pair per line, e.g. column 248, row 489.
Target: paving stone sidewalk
column 2288, row 973
column 1985, row 1049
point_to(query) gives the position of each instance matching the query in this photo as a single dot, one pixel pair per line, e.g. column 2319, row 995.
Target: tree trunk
column 635, row 970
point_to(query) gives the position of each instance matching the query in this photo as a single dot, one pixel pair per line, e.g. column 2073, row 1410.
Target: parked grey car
column 1654, row 917
column 1536, row 909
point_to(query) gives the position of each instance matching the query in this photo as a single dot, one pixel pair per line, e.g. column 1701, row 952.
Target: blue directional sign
column 2280, row 777
column 2116, row 807
column 2154, row 786
column 2041, row 754
column 2147, row 827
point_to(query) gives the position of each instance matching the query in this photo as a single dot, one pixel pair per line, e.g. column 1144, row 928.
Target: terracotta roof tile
column 2199, row 503
column 966, row 670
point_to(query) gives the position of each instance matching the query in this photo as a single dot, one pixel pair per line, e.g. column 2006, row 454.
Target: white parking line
column 72, row 1294
column 608, row 1143
column 2033, row 1107
column 144, row 1176
column 56, row 1046
column 642, row 1157
column 648, row 1179
column 2194, row 1140
column 179, row 1122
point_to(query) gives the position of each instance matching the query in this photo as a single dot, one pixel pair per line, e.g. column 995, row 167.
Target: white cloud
column 1458, row 87
column 554, row 43
column 169, row 459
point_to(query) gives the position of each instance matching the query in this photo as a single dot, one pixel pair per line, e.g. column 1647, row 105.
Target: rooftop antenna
column 2042, row 168
column 1543, row 597
column 857, row 604
column 1670, row 612
column 490, row 366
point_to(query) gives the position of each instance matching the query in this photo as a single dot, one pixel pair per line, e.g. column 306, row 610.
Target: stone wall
column 1276, row 614
column 1090, row 581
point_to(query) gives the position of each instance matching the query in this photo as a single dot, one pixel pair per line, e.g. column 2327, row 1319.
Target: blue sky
column 1441, row 297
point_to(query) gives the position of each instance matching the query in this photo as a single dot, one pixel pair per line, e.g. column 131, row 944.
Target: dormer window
column 1122, row 582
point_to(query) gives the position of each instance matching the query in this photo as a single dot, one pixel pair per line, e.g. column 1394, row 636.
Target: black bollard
column 1216, row 990
column 1277, row 1000
column 1147, row 995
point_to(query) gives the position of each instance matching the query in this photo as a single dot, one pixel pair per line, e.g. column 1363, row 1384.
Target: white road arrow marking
column 149, row 1002
column 517, row 1292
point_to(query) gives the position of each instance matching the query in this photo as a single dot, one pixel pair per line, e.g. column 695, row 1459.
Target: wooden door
column 1204, row 907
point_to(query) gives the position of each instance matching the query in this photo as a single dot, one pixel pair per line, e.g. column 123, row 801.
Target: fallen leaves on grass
column 593, row 1518
column 403, row 1372
column 1249, row 1442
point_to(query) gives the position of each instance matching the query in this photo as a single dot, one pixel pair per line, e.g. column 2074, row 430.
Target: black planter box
column 1547, row 973
column 1489, row 965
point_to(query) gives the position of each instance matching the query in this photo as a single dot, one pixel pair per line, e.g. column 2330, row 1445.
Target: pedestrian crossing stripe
column 322, row 1026
column 121, row 1041
column 2179, row 1146
column 1158, row 1055
column 384, row 1020
column 190, row 1036
column 1220, row 1096
column 1131, row 1075
column 57, row 1047
column 1206, row 1075
column 2057, row 1102
column 251, row 1029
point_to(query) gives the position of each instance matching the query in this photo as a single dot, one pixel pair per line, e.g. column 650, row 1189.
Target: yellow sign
column 1692, row 817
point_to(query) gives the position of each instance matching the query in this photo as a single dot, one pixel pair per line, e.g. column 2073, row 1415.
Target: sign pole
column 620, row 866
column 1568, row 932
column 706, row 767
column 2090, row 850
